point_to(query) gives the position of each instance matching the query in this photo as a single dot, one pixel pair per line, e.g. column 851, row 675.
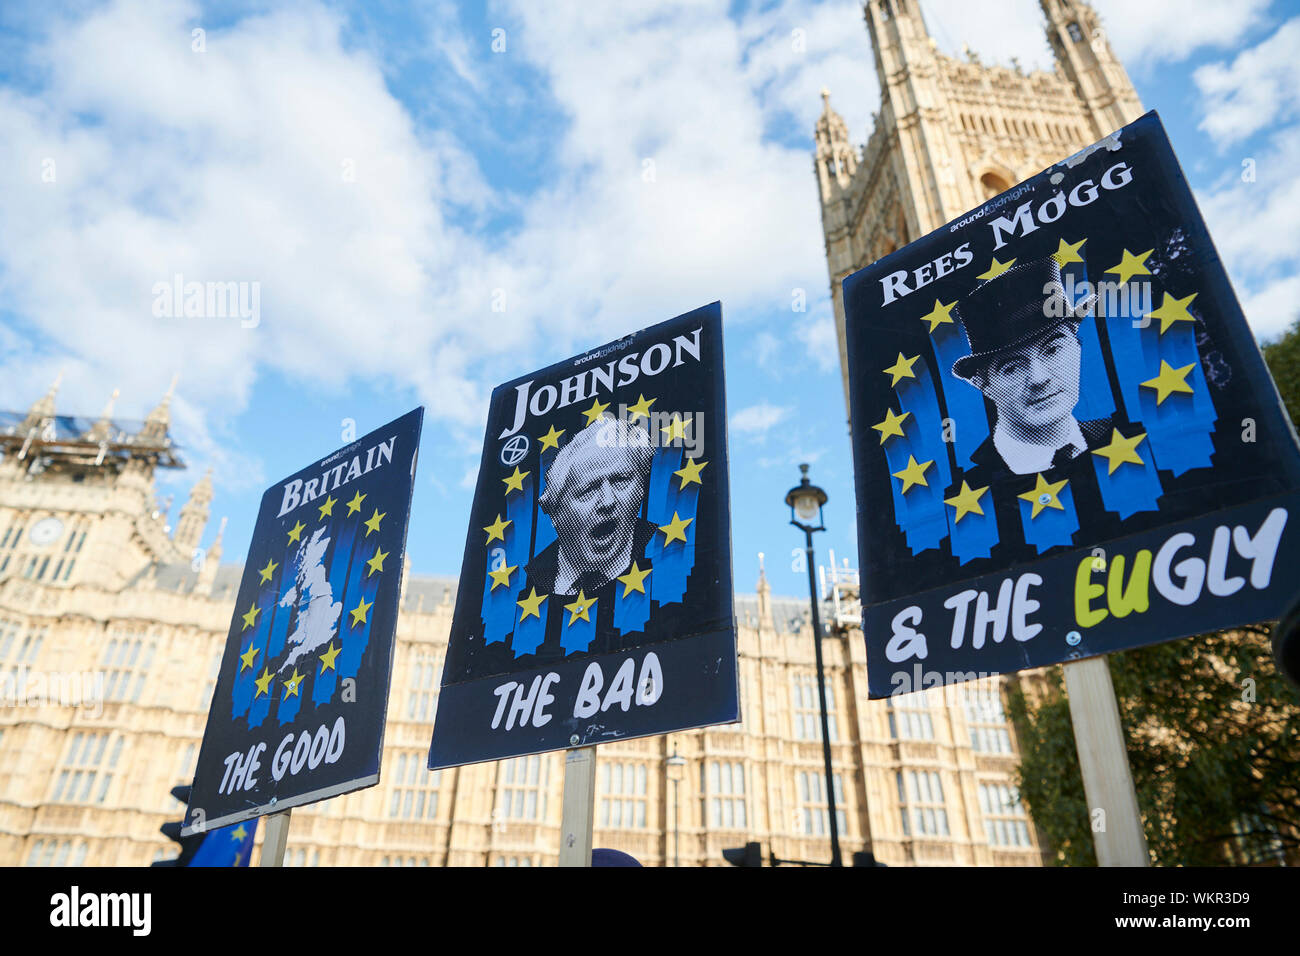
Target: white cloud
column 1153, row 31
column 1259, row 88
column 758, row 420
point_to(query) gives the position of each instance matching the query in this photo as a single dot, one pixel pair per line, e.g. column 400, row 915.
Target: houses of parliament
column 113, row 621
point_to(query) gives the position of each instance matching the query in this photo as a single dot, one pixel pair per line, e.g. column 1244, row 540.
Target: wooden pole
column 1107, row 780
column 579, row 806
column 276, row 839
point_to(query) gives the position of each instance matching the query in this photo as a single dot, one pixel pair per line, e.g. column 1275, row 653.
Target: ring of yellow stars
column 996, row 269
column 1169, row 380
column 1120, row 450
column 892, row 425
column 239, row 833
column 247, row 657
column 551, row 439
column 1044, row 494
column 327, row 509
column 515, row 482
column 634, row 580
column 674, row 430
column 532, row 605
column 376, row 563
column 360, row 611
column 292, row 684
column 594, row 412
column 1067, row 252
column 372, row 523
column 502, row 576
column 690, row 473
column 939, row 315
column 496, row 531
column 266, row 571
column 1131, row 265
column 250, row 617
column 914, row 473
column 642, row 407
column 295, row 533
column 675, row 530
column 327, row 659
column 966, row 501
column 355, row 504
column 263, row 683
column 1172, row 310
column 579, row 608
column 902, row 368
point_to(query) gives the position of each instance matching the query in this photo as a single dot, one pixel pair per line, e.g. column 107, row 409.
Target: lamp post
column 675, row 764
column 805, row 501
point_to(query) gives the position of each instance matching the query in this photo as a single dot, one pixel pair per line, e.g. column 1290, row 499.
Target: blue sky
column 383, row 174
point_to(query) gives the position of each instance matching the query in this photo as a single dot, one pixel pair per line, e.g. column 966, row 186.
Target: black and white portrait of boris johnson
column 1025, row 357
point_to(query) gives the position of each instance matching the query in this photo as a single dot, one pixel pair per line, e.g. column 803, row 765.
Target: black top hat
column 1011, row 309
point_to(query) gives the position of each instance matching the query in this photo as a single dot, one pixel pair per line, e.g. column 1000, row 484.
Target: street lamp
column 806, row 501
column 675, row 765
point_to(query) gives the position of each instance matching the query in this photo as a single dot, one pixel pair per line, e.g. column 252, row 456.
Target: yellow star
column 966, row 501
column 372, row 523
column 675, row 530
column 360, row 611
column 593, row 413
column 901, row 368
column 914, row 473
column 328, row 658
column 239, row 833
column 579, row 608
column 996, row 269
column 515, row 482
column 263, row 684
column 551, row 439
column 501, row 576
column 376, row 563
column 291, row 685
column 496, row 530
column 266, row 571
column 1067, row 252
column 295, row 533
column 642, row 407
column 634, row 580
column 674, row 430
column 355, row 504
column 690, row 473
column 1169, row 380
column 247, row 658
column 892, row 425
column 1172, row 310
column 1120, row 450
column 1132, row 265
column 327, row 509
column 939, row 315
column 1044, row 495
column 532, row 605
column 250, row 617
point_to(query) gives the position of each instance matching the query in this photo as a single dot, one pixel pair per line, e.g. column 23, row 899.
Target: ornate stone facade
column 951, row 133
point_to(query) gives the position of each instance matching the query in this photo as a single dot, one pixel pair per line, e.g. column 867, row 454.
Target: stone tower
column 952, row 132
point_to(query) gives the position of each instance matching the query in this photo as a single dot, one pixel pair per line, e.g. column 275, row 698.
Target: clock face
column 45, row 532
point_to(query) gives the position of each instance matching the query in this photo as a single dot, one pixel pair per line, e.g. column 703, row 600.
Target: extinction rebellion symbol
column 513, row 451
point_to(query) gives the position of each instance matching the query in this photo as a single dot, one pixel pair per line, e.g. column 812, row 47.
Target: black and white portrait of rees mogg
column 595, row 488
column 1025, row 356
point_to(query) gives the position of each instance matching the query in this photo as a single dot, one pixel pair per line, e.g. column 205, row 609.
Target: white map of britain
column 318, row 612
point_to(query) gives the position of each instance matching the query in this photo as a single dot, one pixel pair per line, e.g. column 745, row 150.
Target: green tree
column 1213, row 736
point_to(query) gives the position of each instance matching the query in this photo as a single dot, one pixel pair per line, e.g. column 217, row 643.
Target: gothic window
column 524, row 781
column 993, row 185
column 813, row 818
column 921, row 804
column 724, row 787
column 124, row 666
column 623, row 795
column 415, row 789
column 1005, row 821
column 909, row 718
column 987, row 721
column 1075, row 33
column 806, row 712
column 422, row 702
column 87, row 769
